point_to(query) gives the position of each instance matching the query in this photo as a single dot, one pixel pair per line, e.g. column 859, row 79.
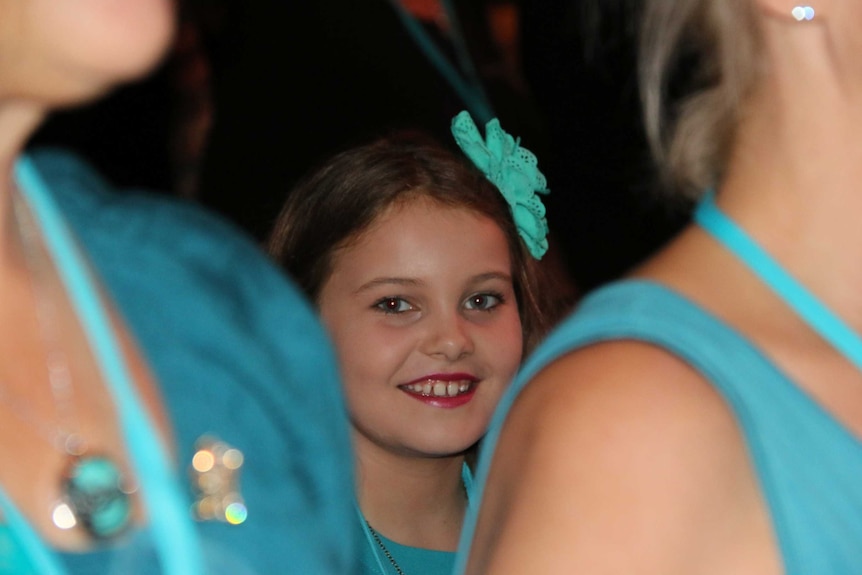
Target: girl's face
column 423, row 315
column 63, row 52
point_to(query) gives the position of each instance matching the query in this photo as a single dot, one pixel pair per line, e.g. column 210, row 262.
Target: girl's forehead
column 422, row 212
column 427, row 238
column 420, row 202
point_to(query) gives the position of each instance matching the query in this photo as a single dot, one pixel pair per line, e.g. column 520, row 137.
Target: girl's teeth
column 439, row 388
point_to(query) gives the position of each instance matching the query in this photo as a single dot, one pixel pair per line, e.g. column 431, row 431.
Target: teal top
column 236, row 352
column 411, row 560
column 808, row 465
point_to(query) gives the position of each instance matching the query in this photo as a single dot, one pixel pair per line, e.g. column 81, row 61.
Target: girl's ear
column 795, row 10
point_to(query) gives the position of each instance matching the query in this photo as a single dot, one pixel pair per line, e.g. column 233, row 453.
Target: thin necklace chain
column 94, row 495
column 58, row 436
column 383, row 548
column 61, row 435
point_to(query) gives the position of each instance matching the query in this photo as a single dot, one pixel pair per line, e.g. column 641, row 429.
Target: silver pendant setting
column 93, row 498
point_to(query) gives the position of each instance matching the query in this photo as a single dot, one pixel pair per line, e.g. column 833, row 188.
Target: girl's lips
column 442, row 390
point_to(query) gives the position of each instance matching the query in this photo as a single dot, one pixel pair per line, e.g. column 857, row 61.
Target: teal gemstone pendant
column 93, row 498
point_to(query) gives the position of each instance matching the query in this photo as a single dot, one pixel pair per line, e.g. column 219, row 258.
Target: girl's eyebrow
column 491, row 276
column 412, row 282
column 392, row 281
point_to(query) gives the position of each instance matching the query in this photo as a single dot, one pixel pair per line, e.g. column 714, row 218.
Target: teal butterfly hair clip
column 515, row 172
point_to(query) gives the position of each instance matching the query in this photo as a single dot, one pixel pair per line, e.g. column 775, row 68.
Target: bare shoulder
column 615, row 458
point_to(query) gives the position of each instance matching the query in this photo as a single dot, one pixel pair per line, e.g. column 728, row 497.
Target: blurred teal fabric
column 807, row 463
column 238, row 354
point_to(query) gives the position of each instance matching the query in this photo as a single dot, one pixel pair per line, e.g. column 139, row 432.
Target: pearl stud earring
column 803, row 13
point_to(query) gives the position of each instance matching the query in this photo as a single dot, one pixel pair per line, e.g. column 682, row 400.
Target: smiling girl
column 428, row 288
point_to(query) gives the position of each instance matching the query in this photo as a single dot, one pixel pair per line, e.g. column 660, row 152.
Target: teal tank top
column 808, row 465
column 410, row 560
column 236, row 352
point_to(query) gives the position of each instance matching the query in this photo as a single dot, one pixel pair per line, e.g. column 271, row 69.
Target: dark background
column 257, row 93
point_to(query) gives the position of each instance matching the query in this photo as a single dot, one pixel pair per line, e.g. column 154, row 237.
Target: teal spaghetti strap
column 803, row 302
column 171, row 527
column 35, row 553
column 369, row 538
column 467, row 480
column 469, row 89
column 462, row 52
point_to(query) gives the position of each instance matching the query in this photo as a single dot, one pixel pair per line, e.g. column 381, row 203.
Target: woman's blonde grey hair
column 716, row 44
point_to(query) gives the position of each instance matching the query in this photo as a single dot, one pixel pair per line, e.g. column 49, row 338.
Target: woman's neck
column 795, row 184
column 416, row 501
column 18, row 120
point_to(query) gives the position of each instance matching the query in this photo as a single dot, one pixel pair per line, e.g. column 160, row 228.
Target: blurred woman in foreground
column 705, row 414
column 153, row 362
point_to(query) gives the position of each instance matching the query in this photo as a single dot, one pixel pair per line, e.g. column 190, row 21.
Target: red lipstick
column 445, row 390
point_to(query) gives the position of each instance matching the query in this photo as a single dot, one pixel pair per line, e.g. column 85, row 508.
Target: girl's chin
column 444, row 450
column 436, row 441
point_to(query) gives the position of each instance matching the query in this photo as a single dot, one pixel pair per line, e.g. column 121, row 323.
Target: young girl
column 429, row 292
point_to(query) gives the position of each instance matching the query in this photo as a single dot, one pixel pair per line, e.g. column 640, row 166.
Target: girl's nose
column 448, row 336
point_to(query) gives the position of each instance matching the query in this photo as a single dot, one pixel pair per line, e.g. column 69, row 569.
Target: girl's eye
column 483, row 301
column 393, row 305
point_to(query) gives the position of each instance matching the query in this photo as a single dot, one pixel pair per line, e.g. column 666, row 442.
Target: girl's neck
column 416, row 501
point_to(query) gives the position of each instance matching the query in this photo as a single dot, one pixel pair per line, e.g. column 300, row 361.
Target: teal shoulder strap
column 468, row 85
column 21, row 548
column 804, row 303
